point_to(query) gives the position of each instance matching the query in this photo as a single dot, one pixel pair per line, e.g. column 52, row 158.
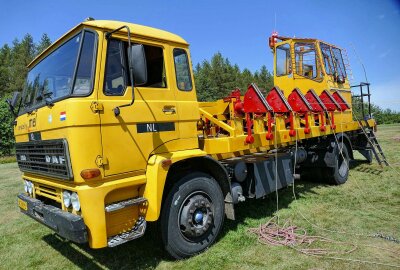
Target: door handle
column 168, row 110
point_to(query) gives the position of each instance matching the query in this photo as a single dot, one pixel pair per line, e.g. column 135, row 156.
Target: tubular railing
column 363, row 94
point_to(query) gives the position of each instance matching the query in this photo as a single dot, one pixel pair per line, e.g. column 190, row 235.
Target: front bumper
column 65, row 224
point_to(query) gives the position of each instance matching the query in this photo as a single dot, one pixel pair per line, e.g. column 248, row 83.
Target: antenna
column 359, row 60
column 275, row 21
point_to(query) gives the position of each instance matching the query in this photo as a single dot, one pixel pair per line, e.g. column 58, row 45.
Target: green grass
column 7, row 159
column 367, row 204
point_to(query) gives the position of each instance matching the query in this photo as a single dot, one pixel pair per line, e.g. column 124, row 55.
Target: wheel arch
column 347, row 142
column 206, row 165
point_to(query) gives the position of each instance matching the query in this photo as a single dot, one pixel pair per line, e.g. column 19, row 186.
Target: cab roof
column 108, row 25
column 285, row 38
column 136, row 29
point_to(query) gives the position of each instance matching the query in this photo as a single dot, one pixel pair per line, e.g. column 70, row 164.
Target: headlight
column 26, row 186
column 67, row 198
column 30, row 187
column 75, row 202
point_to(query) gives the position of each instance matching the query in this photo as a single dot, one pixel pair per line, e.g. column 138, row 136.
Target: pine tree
column 22, row 54
column 44, row 43
column 13, row 71
column 5, row 75
column 246, row 79
column 264, row 79
column 216, row 78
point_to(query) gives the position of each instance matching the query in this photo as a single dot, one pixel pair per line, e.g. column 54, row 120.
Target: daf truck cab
column 103, row 106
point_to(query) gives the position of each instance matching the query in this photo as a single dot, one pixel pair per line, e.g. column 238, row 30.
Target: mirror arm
column 11, row 108
column 117, row 110
column 13, row 102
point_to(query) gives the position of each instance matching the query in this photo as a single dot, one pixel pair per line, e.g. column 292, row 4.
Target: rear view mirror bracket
column 12, row 103
column 135, row 67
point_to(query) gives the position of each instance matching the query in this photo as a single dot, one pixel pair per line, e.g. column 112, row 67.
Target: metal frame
column 362, row 95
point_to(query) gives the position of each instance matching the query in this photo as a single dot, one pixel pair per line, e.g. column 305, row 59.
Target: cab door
column 146, row 127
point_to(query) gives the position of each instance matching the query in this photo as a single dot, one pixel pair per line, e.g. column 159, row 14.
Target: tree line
column 382, row 116
column 217, row 78
column 214, row 78
column 13, row 61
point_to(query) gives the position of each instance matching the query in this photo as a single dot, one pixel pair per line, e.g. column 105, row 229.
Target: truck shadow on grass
column 364, row 167
column 142, row 253
column 148, row 252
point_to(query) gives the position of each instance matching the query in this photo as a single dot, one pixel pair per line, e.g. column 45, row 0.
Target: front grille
column 48, row 192
column 49, row 158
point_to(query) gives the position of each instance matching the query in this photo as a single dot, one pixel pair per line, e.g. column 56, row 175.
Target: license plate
column 22, row 204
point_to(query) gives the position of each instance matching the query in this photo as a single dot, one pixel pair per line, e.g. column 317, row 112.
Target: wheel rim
column 196, row 216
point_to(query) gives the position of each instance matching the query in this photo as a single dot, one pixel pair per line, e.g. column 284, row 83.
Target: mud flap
column 264, row 175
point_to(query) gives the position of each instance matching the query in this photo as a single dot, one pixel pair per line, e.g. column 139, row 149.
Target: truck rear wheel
column 192, row 215
column 338, row 174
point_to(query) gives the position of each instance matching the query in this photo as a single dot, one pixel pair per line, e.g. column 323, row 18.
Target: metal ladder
column 347, row 66
column 368, row 131
column 374, row 145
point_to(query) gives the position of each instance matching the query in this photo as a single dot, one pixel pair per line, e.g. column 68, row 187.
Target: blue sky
column 238, row 29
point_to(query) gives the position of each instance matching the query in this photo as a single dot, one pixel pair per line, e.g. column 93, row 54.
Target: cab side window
column 327, row 57
column 117, row 76
column 306, row 60
column 156, row 77
column 283, row 60
column 84, row 74
column 182, row 70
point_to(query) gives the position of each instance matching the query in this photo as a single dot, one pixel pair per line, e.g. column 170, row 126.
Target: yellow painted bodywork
column 131, row 162
column 323, row 81
column 129, row 158
column 231, row 142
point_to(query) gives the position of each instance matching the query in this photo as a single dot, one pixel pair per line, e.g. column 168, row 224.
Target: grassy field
column 7, row 159
column 367, row 204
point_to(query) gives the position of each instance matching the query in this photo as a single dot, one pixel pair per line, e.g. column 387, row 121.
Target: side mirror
column 12, row 103
column 137, row 64
column 15, row 99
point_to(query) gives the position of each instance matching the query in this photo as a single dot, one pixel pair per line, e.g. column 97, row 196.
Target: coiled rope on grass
column 295, row 237
column 271, row 233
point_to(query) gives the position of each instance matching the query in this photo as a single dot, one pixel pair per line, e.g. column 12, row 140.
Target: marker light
column 90, row 173
column 166, row 163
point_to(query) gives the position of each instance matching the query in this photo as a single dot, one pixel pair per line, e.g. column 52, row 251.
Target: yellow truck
column 110, row 135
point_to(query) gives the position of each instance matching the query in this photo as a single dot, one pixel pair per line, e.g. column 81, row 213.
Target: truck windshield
column 66, row 71
column 333, row 60
column 338, row 59
column 307, row 63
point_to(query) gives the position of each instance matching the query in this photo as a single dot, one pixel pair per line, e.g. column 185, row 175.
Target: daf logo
column 55, row 159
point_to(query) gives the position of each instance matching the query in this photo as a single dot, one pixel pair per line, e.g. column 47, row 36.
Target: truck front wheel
column 192, row 215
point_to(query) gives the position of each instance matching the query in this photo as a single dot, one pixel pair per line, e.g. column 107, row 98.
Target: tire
column 192, row 215
column 338, row 174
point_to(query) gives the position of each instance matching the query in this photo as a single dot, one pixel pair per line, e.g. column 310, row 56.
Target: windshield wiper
column 46, row 96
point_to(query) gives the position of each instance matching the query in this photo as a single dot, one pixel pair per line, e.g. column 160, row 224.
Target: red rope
column 294, row 237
